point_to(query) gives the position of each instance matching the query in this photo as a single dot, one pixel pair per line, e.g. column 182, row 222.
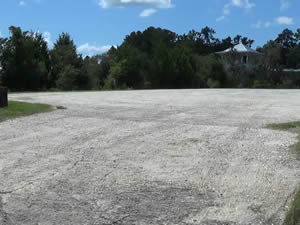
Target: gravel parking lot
column 185, row 157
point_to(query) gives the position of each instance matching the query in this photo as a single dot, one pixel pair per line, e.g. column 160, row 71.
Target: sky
column 96, row 25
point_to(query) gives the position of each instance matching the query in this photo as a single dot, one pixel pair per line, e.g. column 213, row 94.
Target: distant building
column 291, row 70
column 240, row 55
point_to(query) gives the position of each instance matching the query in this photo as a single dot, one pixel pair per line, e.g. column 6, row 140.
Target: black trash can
column 3, row 97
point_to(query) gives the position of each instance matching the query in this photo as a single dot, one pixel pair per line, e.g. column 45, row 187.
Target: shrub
column 68, row 77
column 211, row 83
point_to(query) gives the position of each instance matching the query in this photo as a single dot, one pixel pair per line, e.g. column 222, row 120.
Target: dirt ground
column 185, row 157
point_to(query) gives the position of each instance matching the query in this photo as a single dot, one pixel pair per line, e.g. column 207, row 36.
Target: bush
column 67, row 78
column 259, row 84
column 210, row 72
column 211, row 83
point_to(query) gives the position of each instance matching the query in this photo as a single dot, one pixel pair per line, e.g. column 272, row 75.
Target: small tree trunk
column 3, row 97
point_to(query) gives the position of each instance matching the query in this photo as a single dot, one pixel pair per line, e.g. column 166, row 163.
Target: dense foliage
column 154, row 58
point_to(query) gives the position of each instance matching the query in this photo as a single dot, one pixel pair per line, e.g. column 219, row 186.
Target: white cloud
column 25, row 2
column 22, row 3
column 258, row 25
column 87, row 49
column 243, row 4
column 246, row 4
column 267, row 24
column 47, row 38
column 130, row 3
column 284, row 20
column 285, row 4
column 150, row 5
column 261, row 24
column 226, row 10
column 148, row 12
column 220, row 18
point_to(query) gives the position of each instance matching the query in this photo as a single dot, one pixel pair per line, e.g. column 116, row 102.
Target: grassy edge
column 293, row 214
column 17, row 109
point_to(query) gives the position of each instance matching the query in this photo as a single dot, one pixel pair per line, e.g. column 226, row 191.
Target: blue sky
column 97, row 24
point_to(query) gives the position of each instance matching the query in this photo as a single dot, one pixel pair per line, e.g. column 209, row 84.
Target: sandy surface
column 149, row 158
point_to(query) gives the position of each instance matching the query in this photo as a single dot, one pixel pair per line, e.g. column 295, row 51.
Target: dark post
column 3, row 97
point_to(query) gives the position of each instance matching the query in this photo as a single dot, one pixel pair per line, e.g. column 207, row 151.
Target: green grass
column 284, row 126
column 293, row 215
column 18, row 109
column 61, row 107
column 292, row 127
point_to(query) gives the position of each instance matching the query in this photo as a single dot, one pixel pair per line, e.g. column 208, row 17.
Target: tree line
column 153, row 58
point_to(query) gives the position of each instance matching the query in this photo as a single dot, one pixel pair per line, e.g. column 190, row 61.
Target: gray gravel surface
column 150, row 157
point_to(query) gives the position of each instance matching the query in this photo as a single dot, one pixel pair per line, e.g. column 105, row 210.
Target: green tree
column 297, row 36
column 286, row 39
column 25, row 60
column 91, row 67
column 68, row 78
column 207, row 35
column 162, row 67
column 271, row 63
column 293, row 58
column 65, row 60
column 184, row 68
column 115, row 72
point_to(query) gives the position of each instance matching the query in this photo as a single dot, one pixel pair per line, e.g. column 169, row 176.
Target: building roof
column 239, row 48
column 291, row 70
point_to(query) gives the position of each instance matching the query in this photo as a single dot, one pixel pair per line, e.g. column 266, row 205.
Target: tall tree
column 67, row 65
column 207, row 35
column 293, row 58
column 297, row 36
column 286, row 39
column 25, row 60
column 237, row 39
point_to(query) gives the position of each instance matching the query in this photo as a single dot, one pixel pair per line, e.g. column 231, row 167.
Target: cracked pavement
column 185, row 157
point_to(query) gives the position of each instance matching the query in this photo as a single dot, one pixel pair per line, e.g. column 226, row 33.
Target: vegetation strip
column 155, row 58
column 17, row 109
column 293, row 215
